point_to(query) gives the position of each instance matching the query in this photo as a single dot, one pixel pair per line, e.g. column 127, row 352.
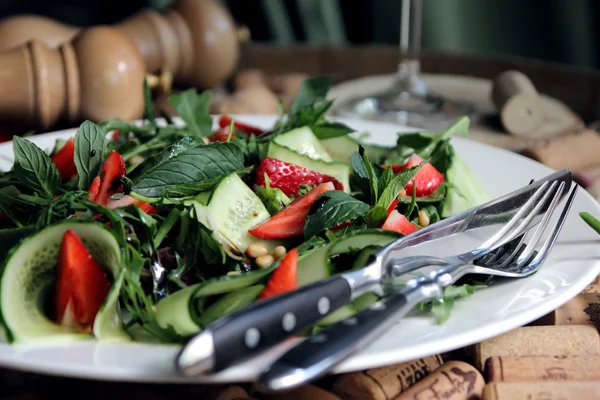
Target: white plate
column 573, row 265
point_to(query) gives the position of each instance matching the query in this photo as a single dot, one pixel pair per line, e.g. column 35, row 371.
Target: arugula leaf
column 192, row 171
column 193, row 108
column 441, row 308
column 17, row 210
column 90, row 152
column 166, row 226
column 34, row 168
column 273, row 198
column 332, row 208
column 397, row 184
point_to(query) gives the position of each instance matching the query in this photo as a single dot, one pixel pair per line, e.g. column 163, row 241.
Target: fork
column 318, row 354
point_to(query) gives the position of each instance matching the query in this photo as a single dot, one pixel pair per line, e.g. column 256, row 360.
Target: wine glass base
column 429, row 112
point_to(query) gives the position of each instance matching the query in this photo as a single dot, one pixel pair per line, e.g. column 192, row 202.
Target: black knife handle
column 246, row 333
column 318, row 354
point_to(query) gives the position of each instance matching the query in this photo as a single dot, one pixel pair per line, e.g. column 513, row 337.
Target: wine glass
column 408, row 101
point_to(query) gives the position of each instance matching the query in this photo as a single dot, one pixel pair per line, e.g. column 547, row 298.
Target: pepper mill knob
column 99, row 75
column 197, row 41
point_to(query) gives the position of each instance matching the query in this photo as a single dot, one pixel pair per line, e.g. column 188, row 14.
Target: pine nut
column 264, row 261
column 279, row 252
column 402, row 193
column 231, row 273
column 256, row 250
column 423, row 218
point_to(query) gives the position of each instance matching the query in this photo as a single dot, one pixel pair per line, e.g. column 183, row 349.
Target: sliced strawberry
column 116, row 135
column 284, row 278
column 398, row 223
column 64, row 160
column 94, row 189
column 127, row 200
column 289, row 222
column 221, row 135
column 225, row 121
column 288, row 177
column 428, row 179
column 81, row 284
column 111, row 174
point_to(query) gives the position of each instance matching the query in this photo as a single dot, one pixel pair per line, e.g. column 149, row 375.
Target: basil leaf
column 397, row 184
column 332, row 208
column 376, row 216
column 366, row 175
column 328, row 130
column 192, row 171
column 34, row 168
column 90, row 152
column 311, row 91
column 193, row 108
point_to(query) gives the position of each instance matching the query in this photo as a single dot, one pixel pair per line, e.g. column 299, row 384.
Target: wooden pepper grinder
column 99, row 75
column 196, row 41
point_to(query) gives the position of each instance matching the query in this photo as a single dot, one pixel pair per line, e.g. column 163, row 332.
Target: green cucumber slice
column 315, row 266
column 229, row 303
column 338, row 170
column 341, row 149
column 303, row 141
column 179, row 310
column 27, row 280
column 232, row 210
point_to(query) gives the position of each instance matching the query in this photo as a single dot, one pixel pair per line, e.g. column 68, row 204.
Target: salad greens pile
column 181, row 202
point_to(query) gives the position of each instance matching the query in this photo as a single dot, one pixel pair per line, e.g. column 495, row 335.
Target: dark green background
column 563, row 31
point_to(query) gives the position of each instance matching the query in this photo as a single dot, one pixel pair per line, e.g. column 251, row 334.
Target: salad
column 151, row 231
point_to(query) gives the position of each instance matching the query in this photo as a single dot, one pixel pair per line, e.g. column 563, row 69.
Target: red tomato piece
column 284, row 278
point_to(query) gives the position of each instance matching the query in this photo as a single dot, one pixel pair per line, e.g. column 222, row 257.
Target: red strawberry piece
column 94, row 188
column 288, row 177
column 284, row 278
column 64, row 161
column 428, row 179
column 221, row 135
column 399, row 223
column 111, row 174
column 225, row 121
column 81, row 285
column 392, row 206
column 127, row 201
column 289, row 222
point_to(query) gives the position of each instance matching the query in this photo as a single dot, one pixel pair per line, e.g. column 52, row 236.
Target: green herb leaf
column 90, row 152
column 34, row 168
column 149, row 110
column 311, row 91
column 332, row 208
column 397, row 184
column 376, row 216
column 591, row 221
column 328, row 130
column 193, row 108
column 366, row 175
column 192, row 171
column 273, row 198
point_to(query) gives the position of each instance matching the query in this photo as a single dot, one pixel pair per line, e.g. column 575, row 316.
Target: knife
column 246, row 333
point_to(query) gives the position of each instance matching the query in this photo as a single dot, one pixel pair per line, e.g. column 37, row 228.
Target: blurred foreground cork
column 567, row 340
column 542, row 391
column 386, row 382
column 549, row 368
column 583, row 309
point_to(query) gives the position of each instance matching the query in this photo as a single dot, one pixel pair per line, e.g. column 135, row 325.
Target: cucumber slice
column 233, row 208
column 303, row 141
column 338, row 170
column 179, row 310
column 27, row 281
column 229, row 303
column 341, row 149
column 316, row 266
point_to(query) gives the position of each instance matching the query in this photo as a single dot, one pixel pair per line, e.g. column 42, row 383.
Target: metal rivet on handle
column 252, row 337
column 323, row 305
column 288, row 322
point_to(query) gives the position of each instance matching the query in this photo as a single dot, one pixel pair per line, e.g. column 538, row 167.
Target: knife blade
column 246, row 333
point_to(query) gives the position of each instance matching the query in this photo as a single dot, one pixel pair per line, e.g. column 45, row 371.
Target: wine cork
column 386, row 382
column 454, row 380
column 249, row 77
column 518, row 102
column 251, row 100
column 565, row 340
column 593, row 288
column 577, row 150
column 596, row 281
column 542, row 391
column 583, row 309
column 531, row 369
column 302, row 393
column 232, row 393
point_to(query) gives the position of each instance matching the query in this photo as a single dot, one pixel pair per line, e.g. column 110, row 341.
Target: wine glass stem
column 410, row 43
